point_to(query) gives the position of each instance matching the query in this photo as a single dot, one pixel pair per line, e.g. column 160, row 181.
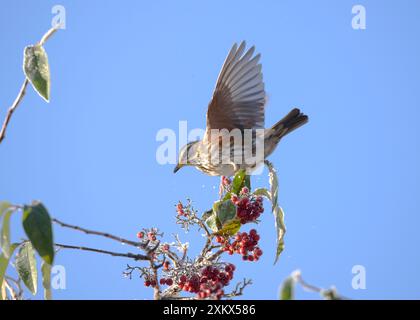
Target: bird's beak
column 178, row 166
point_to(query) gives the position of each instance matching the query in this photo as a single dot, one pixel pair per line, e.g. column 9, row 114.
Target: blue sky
column 121, row 71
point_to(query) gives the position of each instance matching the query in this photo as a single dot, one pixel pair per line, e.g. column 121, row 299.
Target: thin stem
column 136, row 257
column 98, row 233
column 12, row 109
column 48, row 34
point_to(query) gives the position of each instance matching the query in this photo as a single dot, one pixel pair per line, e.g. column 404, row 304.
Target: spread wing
column 239, row 97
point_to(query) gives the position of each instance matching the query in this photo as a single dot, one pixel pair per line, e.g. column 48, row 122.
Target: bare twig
column 102, row 234
column 136, row 257
column 12, row 109
column 239, row 289
column 48, row 34
column 22, row 90
column 330, row 294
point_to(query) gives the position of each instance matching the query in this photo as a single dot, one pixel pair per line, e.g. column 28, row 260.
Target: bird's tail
column 293, row 120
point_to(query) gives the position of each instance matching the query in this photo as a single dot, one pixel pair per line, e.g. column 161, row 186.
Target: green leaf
column 231, row 227
column 226, row 214
column 37, row 224
column 5, row 234
column 5, row 230
column 2, row 290
column 26, row 266
column 247, row 182
column 46, row 280
column 225, row 211
column 263, row 192
column 274, row 184
column 37, row 70
column 281, row 231
column 4, row 261
column 287, row 289
column 213, row 222
column 277, row 211
column 240, row 180
column 4, row 205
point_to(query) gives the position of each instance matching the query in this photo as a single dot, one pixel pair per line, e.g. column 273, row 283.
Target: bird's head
column 188, row 155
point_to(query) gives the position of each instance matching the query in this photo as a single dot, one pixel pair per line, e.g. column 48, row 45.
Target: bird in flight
column 237, row 106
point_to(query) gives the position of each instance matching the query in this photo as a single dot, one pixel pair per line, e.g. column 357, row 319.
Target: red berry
column 162, row 281
column 166, row 265
column 169, row 282
column 258, row 252
column 140, row 234
column 147, row 283
column 234, row 199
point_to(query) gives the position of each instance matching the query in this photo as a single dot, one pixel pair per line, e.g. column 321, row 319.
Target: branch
column 22, row 90
column 136, row 257
column 12, row 109
column 98, row 233
column 239, row 289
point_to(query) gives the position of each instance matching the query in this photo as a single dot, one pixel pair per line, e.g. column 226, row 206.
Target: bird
column 237, row 105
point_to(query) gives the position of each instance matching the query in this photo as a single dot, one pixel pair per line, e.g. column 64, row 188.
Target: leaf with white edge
column 37, row 224
column 4, row 206
column 26, row 266
column 277, row 211
column 225, row 210
column 3, row 290
column 213, row 222
column 281, row 231
column 226, row 214
column 263, row 192
column 46, row 280
column 287, row 289
column 5, row 230
column 5, row 234
column 4, row 261
column 274, row 184
column 37, row 70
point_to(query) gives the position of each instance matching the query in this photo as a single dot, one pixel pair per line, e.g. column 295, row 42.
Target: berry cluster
column 209, row 282
column 150, row 283
column 151, row 235
column 167, row 281
column 249, row 207
column 245, row 244
column 182, row 210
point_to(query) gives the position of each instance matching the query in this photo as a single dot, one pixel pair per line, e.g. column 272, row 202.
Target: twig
column 48, row 34
column 12, row 109
column 98, row 233
column 239, row 289
column 22, row 90
column 326, row 293
column 136, row 257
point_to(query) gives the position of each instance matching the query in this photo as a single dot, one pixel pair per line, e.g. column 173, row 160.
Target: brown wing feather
column 239, row 97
